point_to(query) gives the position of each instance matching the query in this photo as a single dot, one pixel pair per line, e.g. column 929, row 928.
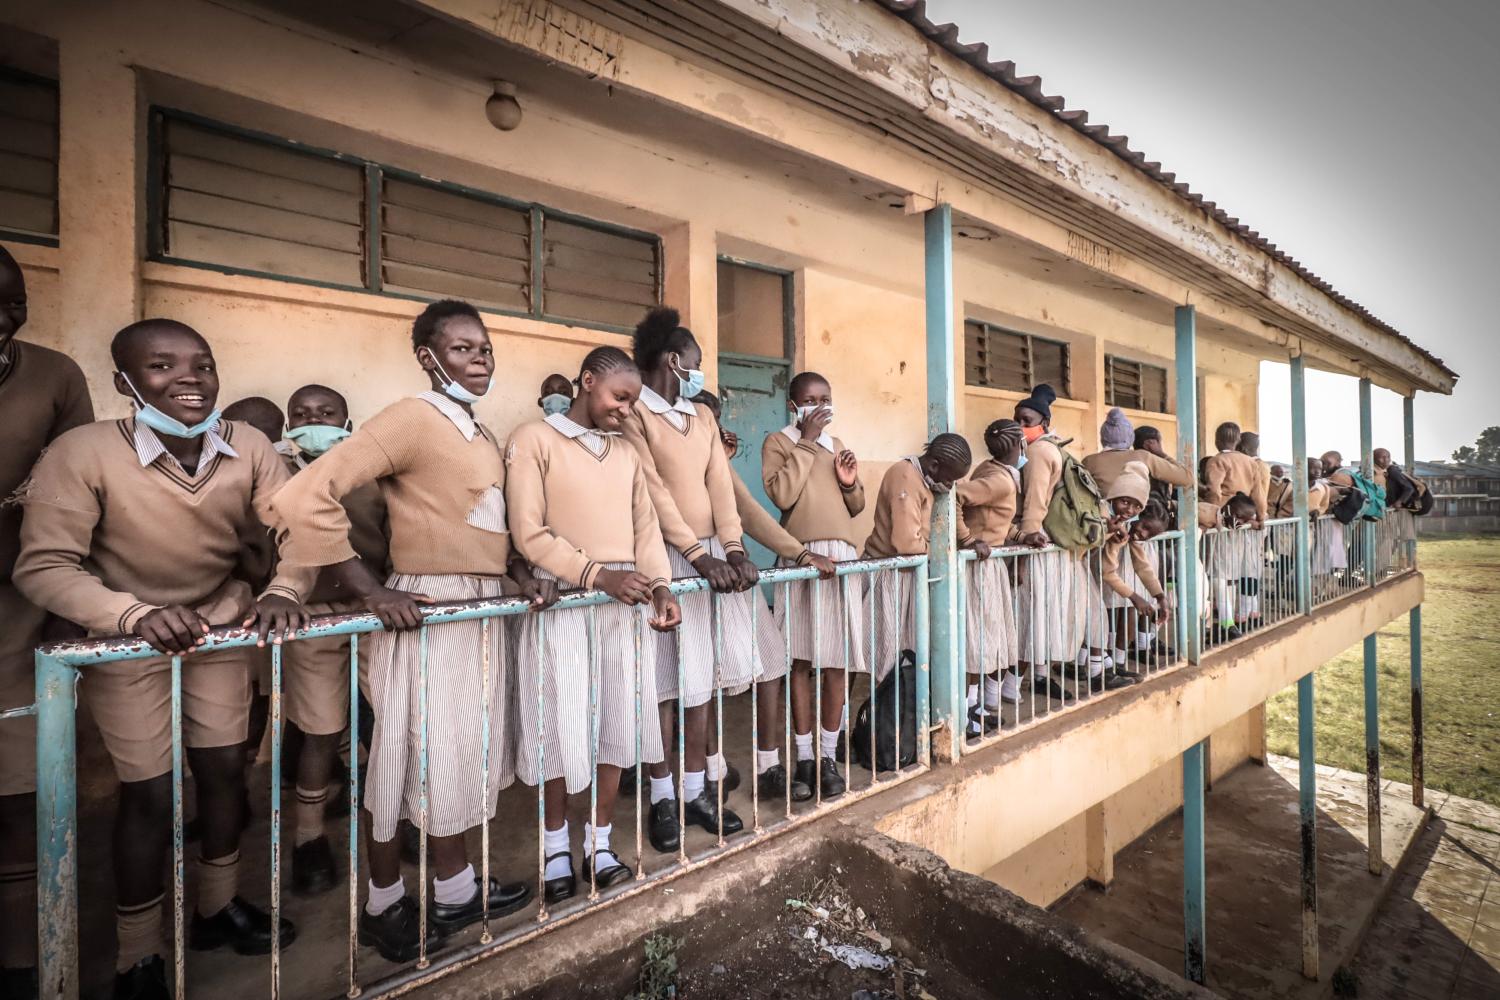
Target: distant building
column 1467, row 496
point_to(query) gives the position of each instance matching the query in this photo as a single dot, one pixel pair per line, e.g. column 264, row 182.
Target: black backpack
column 885, row 720
column 1349, row 505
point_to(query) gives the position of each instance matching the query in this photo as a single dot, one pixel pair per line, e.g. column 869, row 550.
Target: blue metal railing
column 58, row 670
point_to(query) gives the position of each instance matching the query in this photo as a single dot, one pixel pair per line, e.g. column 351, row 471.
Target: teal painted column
column 943, row 568
column 1187, row 453
column 1307, row 788
column 56, row 829
column 1300, row 486
column 1194, row 891
column 1372, row 673
column 1417, row 736
column 1367, row 466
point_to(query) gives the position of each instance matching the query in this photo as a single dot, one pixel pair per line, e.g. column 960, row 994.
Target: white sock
column 1082, row 657
column 661, row 788
column 829, row 739
column 992, row 694
column 1010, row 686
column 766, row 759
column 717, row 767
column 974, row 694
column 1096, row 665
column 804, row 746
column 596, row 838
column 381, row 899
column 457, row 890
column 692, row 784
column 1118, row 653
column 555, row 843
column 1143, row 640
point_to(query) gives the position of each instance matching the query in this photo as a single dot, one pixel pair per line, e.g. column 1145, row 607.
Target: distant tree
column 1487, row 448
column 1464, row 454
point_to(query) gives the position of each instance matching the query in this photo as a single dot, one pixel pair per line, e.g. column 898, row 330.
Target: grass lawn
column 1460, row 673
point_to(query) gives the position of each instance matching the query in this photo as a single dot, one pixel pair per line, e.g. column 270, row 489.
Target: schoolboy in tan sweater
column 133, row 526
column 42, row 395
column 1232, row 471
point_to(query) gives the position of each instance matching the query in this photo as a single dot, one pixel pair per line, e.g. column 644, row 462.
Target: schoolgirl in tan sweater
column 443, row 479
column 581, row 513
column 133, row 526
column 693, row 493
column 988, row 500
column 813, row 479
column 1127, row 563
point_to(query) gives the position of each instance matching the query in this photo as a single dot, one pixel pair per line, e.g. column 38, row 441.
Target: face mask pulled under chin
column 454, row 390
column 163, row 424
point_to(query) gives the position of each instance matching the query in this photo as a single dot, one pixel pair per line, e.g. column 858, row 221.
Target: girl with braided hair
column 988, row 500
column 581, row 513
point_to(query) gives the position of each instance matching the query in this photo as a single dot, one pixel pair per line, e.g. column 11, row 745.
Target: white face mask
column 803, row 412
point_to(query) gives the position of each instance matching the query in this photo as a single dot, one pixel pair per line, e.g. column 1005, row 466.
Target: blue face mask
column 163, row 424
column 690, row 381
column 556, row 402
column 315, row 439
column 1021, row 462
column 457, row 391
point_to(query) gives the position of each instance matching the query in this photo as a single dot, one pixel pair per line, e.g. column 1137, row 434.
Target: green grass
column 1461, row 681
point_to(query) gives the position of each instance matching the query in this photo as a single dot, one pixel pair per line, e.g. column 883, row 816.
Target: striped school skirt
column 890, row 597
column 457, row 797
column 990, row 637
column 580, row 697
column 1059, row 606
column 1330, row 553
column 820, row 610
column 1235, row 554
column 1130, row 578
column 697, row 636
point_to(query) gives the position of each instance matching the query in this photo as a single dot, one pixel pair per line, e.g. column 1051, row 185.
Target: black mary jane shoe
column 991, row 721
column 555, row 890
column 731, row 778
column 505, row 898
column 395, row 932
column 771, row 784
column 831, row 782
column 663, row 830
column 1049, row 687
column 243, row 926
column 145, row 980
column 613, row 871
column 703, row 812
column 313, row 869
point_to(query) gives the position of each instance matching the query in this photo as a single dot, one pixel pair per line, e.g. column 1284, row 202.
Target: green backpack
column 1075, row 516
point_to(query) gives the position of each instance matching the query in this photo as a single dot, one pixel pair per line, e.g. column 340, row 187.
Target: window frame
column 788, row 309
column 1063, row 392
column 375, row 174
column 26, row 235
column 1141, row 366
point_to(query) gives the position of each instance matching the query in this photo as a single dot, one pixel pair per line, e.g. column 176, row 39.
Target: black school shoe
column 396, row 931
column 665, row 834
column 555, row 890
column 821, row 775
column 612, row 872
column 505, row 899
column 1049, row 687
column 703, row 812
column 19, row 984
column 772, row 785
column 243, row 926
column 145, row 980
column 731, row 778
column 313, row 869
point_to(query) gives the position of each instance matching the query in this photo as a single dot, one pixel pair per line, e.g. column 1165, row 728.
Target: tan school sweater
column 431, row 479
column 1279, row 499
column 1039, row 478
column 687, row 474
column 761, row 526
column 1114, row 550
column 1231, row 472
column 105, row 541
column 1105, row 466
column 571, row 512
column 903, row 514
column 42, row 394
column 800, row 480
column 988, row 499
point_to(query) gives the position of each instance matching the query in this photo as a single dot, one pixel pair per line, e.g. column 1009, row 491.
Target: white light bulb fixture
column 502, row 108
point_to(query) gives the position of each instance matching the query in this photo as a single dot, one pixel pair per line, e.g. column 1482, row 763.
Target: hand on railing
column 174, row 629
column 825, row 566
column 541, row 593
column 668, row 611
column 625, row 585
column 276, row 618
column 981, row 549
column 722, row 577
column 749, row 574
column 396, row 609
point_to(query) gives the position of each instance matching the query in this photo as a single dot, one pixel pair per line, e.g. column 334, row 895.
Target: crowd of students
column 183, row 517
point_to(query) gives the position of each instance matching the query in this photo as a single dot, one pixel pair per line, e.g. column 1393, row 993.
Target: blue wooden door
column 754, row 393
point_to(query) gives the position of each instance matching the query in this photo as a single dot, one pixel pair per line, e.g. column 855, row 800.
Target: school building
column 831, row 185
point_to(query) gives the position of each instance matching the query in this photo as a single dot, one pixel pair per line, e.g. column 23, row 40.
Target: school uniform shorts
column 131, row 702
column 315, row 680
column 20, row 632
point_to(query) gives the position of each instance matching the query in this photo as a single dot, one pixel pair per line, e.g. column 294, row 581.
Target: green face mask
column 315, row 439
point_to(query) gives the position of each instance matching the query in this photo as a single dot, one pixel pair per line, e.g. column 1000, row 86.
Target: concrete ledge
column 1001, row 799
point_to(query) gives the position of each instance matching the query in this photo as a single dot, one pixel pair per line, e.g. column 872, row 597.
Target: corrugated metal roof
column 976, row 54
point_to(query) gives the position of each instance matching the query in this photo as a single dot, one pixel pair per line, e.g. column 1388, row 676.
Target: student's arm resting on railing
column 278, row 611
column 651, row 556
column 1165, row 469
column 1038, row 479
column 525, row 505
column 720, row 483
column 674, row 529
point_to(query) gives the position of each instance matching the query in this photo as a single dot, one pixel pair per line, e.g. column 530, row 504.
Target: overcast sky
column 1361, row 136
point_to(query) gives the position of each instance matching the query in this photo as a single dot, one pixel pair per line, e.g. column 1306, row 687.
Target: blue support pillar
column 1187, row 499
column 1417, row 736
column 1367, row 466
column 1194, row 891
column 1372, row 674
column 943, row 566
column 56, row 829
column 1300, row 486
column 1307, row 786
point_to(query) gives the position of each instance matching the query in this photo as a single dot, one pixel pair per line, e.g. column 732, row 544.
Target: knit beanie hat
column 1115, row 433
column 1040, row 401
column 1133, row 481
